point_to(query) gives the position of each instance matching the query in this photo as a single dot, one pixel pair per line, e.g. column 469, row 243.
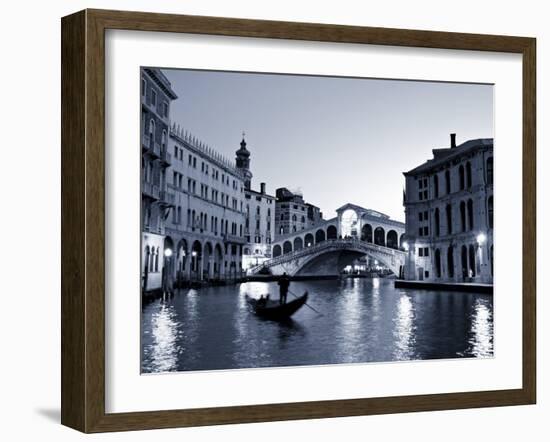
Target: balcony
column 165, row 157
column 150, row 190
column 234, row 239
column 150, row 147
column 167, row 198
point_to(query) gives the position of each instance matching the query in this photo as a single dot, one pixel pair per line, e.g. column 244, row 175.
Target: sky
column 337, row 140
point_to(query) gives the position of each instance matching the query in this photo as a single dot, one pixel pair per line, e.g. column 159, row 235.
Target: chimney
column 453, row 141
column 262, row 188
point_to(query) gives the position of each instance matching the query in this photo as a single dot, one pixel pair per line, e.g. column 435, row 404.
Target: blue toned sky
column 337, row 140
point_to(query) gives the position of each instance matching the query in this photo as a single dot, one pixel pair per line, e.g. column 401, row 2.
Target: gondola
column 271, row 309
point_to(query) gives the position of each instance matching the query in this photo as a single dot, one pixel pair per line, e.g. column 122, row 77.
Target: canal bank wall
column 467, row 287
column 271, row 278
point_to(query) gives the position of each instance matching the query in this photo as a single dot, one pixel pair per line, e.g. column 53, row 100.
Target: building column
column 210, row 267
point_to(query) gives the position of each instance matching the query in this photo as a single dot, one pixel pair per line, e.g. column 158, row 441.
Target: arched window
column 470, row 214
column 163, row 141
column 287, row 247
column 461, row 176
column 391, row 239
column 490, row 170
column 151, row 133
column 320, row 236
column 294, row 219
column 303, row 219
column 436, row 186
column 157, row 260
column 447, row 182
column 379, row 236
column 147, row 220
column 437, row 222
column 152, row 260
column 149, row 177
column 269, row 212
column 472, row 255
column 147, row 258
column 468, row 175
column 450, row 262
column 449, row 215
column 366, row 233
column 437, row 263
column 464, row 261
column 282, row 216
column 463, row 216
column 490, row 211
column 257, row 210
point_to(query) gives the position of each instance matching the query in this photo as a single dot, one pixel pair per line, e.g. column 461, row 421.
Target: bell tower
column 243, row 162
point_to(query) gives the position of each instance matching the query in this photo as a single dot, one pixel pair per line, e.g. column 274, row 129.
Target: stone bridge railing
column 331, row 244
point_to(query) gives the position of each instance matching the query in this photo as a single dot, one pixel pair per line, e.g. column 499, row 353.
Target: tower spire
column 242, row 162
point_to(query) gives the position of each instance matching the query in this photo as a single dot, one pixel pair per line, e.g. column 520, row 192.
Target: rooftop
column 442, row 156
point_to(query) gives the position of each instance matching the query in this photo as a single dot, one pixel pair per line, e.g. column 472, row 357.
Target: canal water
column 361, row 320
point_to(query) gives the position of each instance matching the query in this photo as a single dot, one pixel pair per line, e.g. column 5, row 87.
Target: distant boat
column 270, row 309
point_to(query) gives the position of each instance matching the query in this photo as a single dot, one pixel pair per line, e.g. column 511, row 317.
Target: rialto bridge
column 329, row 247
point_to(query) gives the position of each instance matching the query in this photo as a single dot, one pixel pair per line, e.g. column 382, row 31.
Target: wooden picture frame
column 83, row 220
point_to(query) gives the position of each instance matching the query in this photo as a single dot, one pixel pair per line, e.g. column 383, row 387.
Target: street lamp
column 481, row 238
column 168, row 253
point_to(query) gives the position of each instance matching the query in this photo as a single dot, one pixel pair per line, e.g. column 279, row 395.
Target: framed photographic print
column 270, row 220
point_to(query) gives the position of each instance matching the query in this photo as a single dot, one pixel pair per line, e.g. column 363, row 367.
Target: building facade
column 259, row 226
column 259, row 210
column 449, row 215
column 293, row 214
column 192, row 212
column 205, row 229
column 156, row 200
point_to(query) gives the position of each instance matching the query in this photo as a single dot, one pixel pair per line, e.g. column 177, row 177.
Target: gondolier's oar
column 305, row 303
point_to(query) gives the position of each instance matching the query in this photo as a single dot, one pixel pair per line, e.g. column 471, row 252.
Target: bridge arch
column 379, row 236
column 277, row 251
column 337, row 254
column 309, row 240
column 298, row 243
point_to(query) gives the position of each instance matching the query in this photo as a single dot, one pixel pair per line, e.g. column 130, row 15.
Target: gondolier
column 284, row 283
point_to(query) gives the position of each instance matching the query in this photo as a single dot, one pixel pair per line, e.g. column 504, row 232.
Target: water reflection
column 164, row 330
column 404, row 329
column 481, row 340
column 361, row 320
